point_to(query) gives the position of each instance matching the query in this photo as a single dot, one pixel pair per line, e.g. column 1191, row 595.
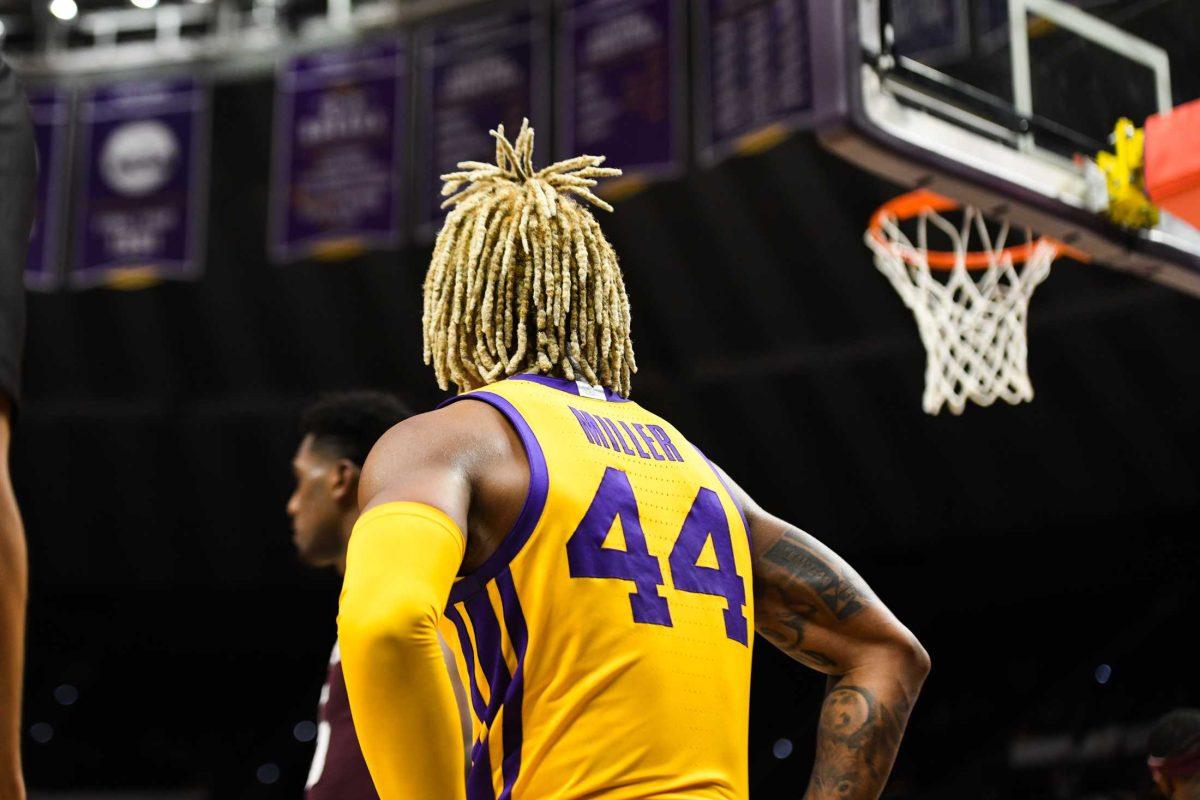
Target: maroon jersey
column 338, row 771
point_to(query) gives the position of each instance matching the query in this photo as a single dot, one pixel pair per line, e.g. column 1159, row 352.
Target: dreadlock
column 522, row 278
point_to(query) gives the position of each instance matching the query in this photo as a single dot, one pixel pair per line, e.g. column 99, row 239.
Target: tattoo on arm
column 806, row 599
column 783, row 623
column 840, row 595
column 800, row 587
column 857, row 741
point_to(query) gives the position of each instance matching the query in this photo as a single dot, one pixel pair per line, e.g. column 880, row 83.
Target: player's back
column 606, row 644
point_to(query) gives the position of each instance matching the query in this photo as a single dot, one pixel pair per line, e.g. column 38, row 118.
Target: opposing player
column 338, row 431
column 599, row 577
column 18, row 160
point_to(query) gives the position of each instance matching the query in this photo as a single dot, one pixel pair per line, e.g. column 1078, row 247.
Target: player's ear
column 345, row 480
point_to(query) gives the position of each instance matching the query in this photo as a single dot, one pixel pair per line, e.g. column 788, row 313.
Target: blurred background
column 1045, row 553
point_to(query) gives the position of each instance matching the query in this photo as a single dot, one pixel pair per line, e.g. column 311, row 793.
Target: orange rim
column 912, row 204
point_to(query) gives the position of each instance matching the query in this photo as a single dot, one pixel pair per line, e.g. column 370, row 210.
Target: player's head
column 337, row 432
column 522, row 278
column 1175, row 754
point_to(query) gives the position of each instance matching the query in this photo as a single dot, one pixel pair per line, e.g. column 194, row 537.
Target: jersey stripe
column 531, row 511
column 464, row 641
column 487, row 637
column 486, row 628
column 479, row 779
column 505, row 688
column 514, row 620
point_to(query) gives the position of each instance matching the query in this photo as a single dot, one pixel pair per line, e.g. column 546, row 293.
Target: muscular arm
column 813, row 606
column 13, row 588
column 402, row 558
column 416, row 494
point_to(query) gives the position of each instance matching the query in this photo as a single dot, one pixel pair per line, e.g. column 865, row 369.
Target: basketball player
column 597, row 576
column 1175, row 754
column 338, row 431
column 18, row 166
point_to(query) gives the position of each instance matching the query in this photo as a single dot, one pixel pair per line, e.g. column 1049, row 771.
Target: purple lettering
column 664, row 441
column 634, row 439
column 590, row 429
column 614, row 433
column 641, row 429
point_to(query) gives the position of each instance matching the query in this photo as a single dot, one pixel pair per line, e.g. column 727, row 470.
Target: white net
column 972, row 321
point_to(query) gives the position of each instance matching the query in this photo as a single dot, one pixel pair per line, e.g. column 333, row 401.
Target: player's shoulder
column 447, row 447
column 455, row 425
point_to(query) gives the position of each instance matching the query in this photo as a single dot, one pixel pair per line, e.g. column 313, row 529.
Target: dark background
column 1026, row 546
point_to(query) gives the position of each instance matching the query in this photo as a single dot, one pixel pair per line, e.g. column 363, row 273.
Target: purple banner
column 934, row 32
column 621, row 91
column 754, row 71
column 51, row 112
column 475, row 75
column 143, row 189
column 339, row 148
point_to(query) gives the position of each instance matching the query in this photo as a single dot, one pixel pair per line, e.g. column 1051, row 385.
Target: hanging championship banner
column 50, row 110
column 143, row 186
column 621, row 85
column 340, row 120
column 475, row 75
column 754, row 74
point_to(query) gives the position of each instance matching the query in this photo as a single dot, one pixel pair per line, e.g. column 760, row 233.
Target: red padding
column 1173, row 161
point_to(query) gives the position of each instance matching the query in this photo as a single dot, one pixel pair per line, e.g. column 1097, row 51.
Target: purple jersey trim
column 506, row 689
column 518, row 634
column 729, row 491
column 483, row 621
column 564, row 385
column 482, row 617
column 464, row 641
column 531, row 512
column 479, row 780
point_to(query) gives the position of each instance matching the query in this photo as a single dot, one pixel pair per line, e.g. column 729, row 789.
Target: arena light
column 144, row 3
column 65, row 10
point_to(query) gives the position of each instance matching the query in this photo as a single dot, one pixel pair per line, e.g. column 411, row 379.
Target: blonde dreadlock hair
column 522, row 278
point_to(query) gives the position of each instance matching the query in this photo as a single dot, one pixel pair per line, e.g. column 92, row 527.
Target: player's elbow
column 392, row 625
column 891, row 649
column 907, row 656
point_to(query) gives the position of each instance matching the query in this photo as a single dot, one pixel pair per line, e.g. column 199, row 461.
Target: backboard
column 991, row 101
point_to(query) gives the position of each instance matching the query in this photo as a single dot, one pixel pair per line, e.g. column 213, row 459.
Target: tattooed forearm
column 857, row 742
column 840, row 593
column 813, row 606
column 783, row 622
column 799, row 585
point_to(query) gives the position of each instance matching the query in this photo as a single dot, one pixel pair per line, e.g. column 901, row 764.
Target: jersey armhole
column 531, row 511
column 733, row 498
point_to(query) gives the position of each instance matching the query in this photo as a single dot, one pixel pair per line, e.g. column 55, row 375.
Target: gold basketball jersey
column 606, row 644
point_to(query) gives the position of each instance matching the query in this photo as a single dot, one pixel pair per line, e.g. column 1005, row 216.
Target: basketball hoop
column 971, row 305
